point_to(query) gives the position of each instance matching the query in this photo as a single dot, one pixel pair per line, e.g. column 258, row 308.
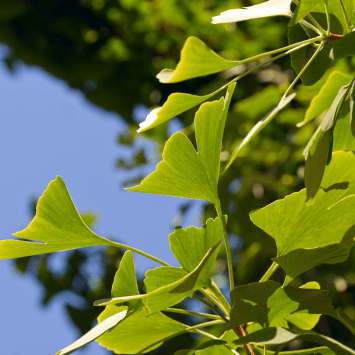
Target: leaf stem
column 190, row 313
column 137, row 251
column 348, row 29
column 304, row 68
column 274, row 266
column 328, row 18
column 220, row 314
column 228, row 249
column 214, row 301
column 219, row 295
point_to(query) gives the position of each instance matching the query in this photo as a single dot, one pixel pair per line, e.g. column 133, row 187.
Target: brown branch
column 242, row 332
column 334, row 37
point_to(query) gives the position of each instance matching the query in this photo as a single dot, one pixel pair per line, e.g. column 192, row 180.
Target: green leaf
column 185, row 173
column 275, row 336
column 263, row 302
column 196, row 60
column 265, row 9
column 303, row 9
column 168, row 295
column 345, row 47
column 317, row 150
column 57, row 226
column 139, row 331
column 305, row 236
column 314, row 351
column 323, row 100
column 205, row 345
column 258, row 127
column 94, row 333
column 352, row 109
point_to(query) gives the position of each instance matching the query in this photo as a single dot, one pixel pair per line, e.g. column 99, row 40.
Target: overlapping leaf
column 265, row 9
column 139, row 329
column 275, row 336
column 318, row 149
column 170, row 294
column 196, row 60
column 307, row 236
column 323, row 100
column 185, row 173
column 264, row 302
column 57, row 226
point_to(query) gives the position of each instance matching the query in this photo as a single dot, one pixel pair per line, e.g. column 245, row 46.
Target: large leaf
column 57, row 226
column 275, row 336
column 323, row 100
column 184, row 172
column 196, row 60
column 170, row 294
column 318, row 149
column 307, row 236
column 263, row 302
column 94, row 333
column 314, row 351
column 265, row 9
column 137, row 332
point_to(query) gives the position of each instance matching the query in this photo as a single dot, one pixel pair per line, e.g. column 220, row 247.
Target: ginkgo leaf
column 265, row 9
column 139, row 331
column 344, row 47
column 196, row 60
column 313, row 351
column 184, row 172
column 276, row 336
column 323, row 100
column 263, row 302
column 205, row 345
column 305, row 235
column 57, row 226
column 94, row 333
column 303, row 9
column 170, row 294
column 318, row 149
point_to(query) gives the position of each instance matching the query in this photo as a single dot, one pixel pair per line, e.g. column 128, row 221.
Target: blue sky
column 48, row 129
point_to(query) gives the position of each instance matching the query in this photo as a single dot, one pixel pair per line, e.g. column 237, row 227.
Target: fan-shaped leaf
column 57, row 226
column 185, row 173
column 196, row 60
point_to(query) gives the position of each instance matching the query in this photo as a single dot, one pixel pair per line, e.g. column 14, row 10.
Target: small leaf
column 303, row 9
column 345, row 47
column 139, row 331
column 318, row 149
column 94, row 333
column 57, row 226
column 185, row 173
column 263, row 302
column 275, row 336
column 265, row 9
column 196, row 60
column 307, row 234
column 258, row 127
column 323, row 100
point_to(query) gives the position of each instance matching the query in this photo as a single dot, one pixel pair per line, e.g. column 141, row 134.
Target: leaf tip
column 149, row 121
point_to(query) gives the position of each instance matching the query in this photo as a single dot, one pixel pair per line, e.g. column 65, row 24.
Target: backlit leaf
column 306, row 235
column 184, row 172
column 265, row 9
column 317, row 150
column 57, row 226
column 196, row 60
column 303, row 9
column 94, row 333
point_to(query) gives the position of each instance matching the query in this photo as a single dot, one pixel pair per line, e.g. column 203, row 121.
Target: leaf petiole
column 190, row 313
column 274, row 266
column 348, row 29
